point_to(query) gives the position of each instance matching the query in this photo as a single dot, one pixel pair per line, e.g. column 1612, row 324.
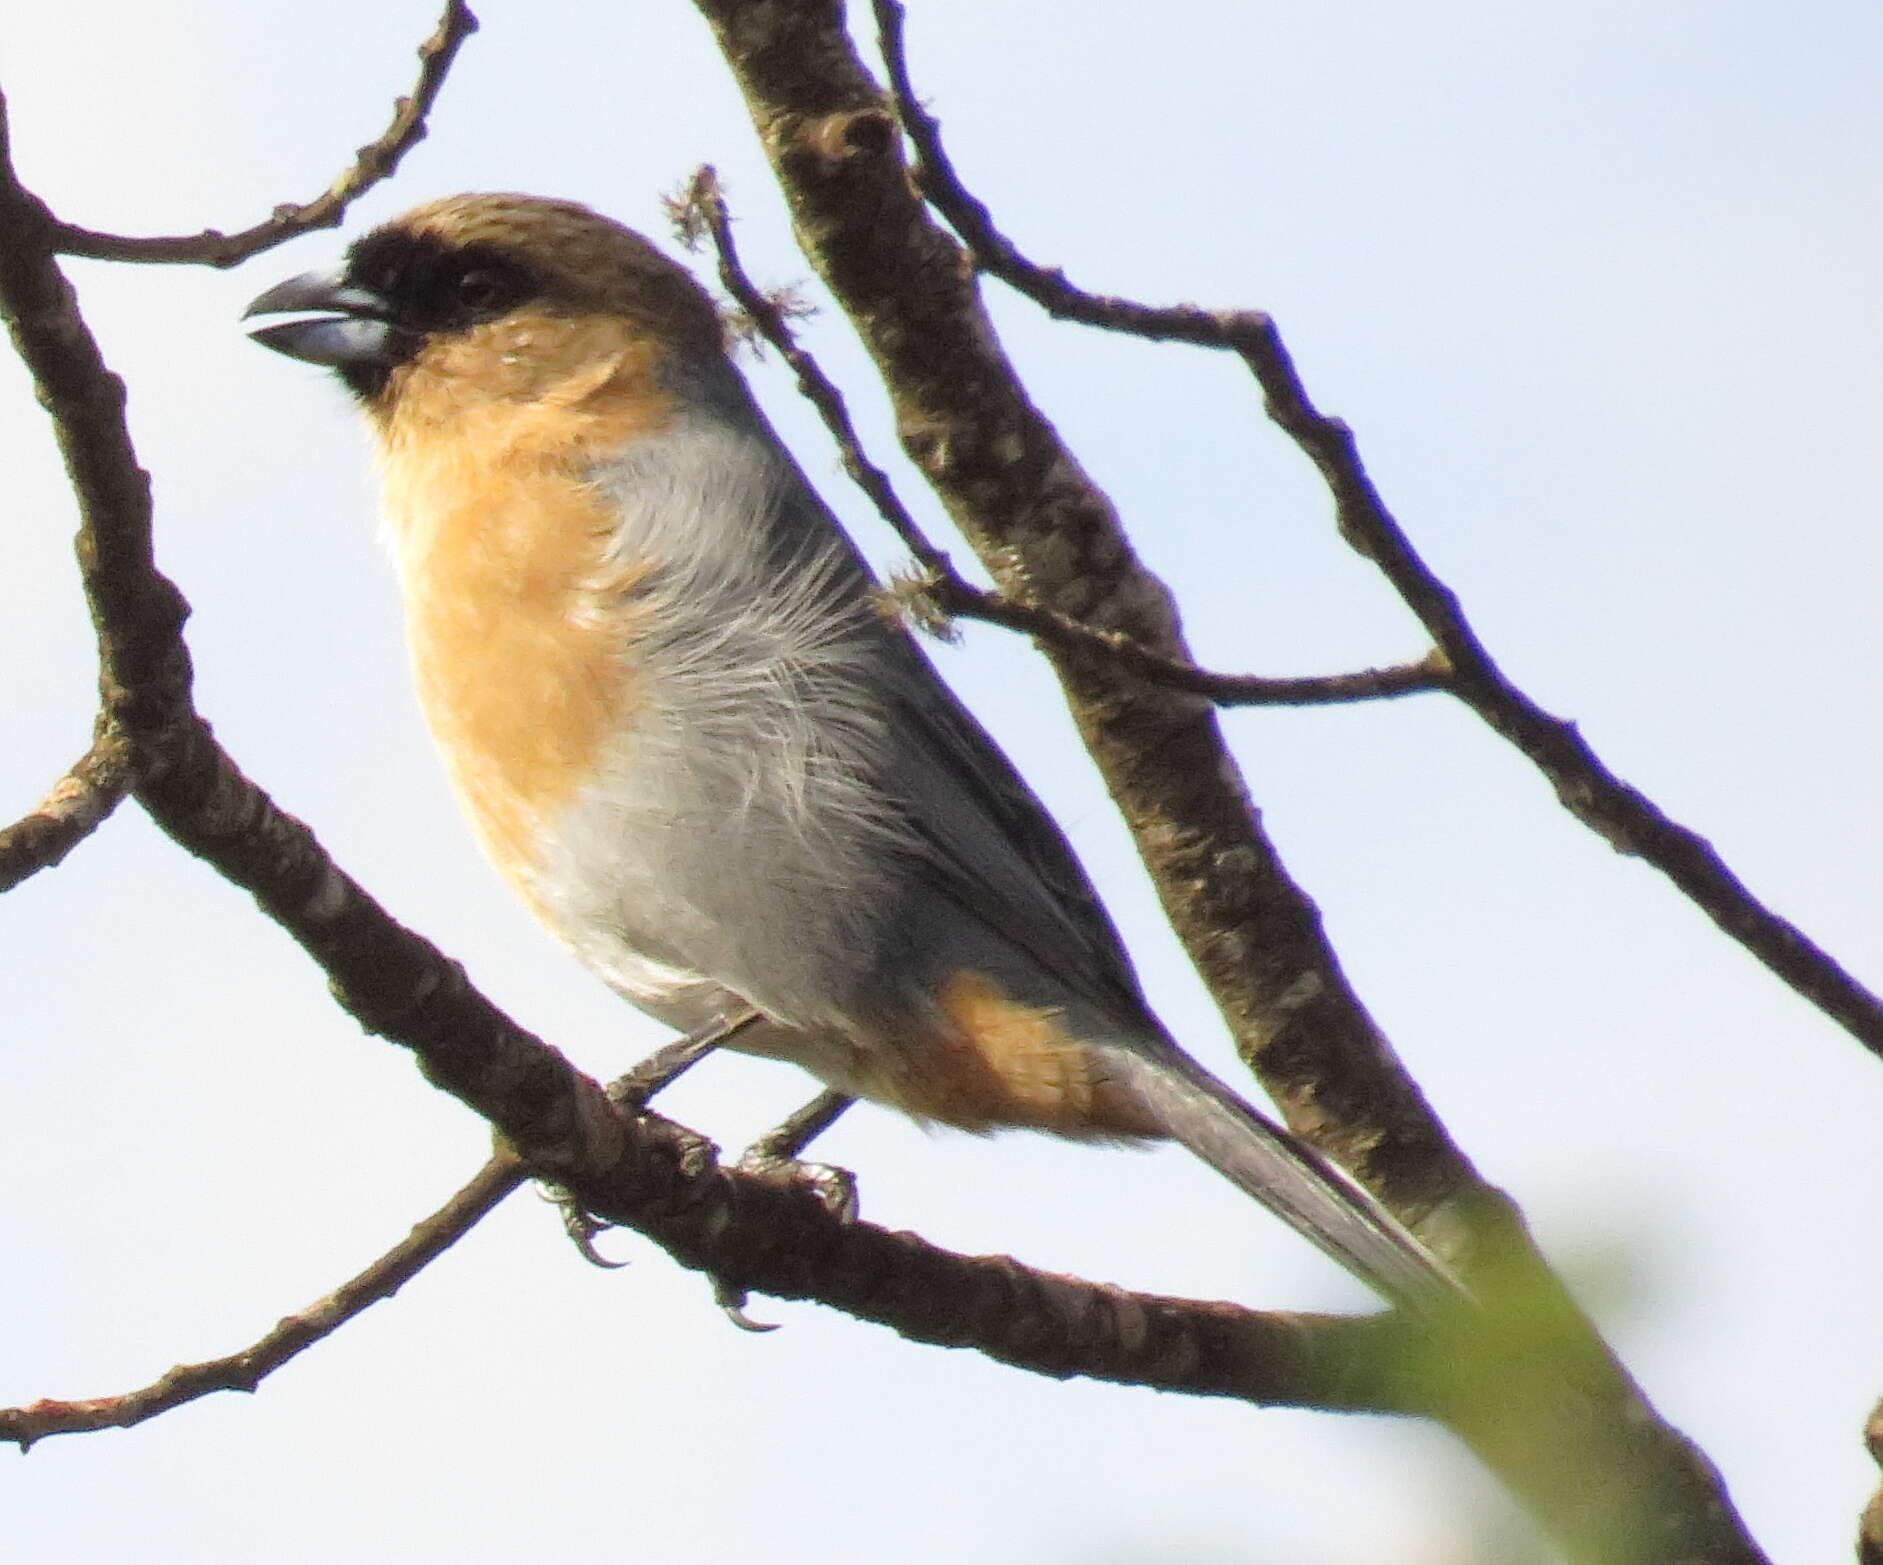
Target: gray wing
column 977, row 835
column 992, row 879
column 987, row 844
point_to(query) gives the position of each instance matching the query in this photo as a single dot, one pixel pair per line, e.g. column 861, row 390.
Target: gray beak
column 346, row 326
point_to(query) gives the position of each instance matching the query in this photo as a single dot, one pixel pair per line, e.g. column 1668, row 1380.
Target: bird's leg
column 671, row 1061
column 631, row 1093
column 784, row 1142
column 775, row 1156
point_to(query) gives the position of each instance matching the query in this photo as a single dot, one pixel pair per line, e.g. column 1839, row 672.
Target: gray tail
column 1317, row 1198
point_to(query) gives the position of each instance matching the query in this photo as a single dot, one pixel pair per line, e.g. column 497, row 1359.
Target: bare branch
column 1625, row 818
column 372, row 164
column 138, row 613
column 702, row 206
column 245, row 1369
column 953, row 596
column 70, row 812
column 941, row 593
column 1621, row 815
column 935, row 176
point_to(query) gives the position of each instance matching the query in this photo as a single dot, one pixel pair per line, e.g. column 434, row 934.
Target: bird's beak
column 343, row 326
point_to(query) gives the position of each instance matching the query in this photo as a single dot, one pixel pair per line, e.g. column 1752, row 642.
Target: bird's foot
column 631, row 1093
column 581, row 1225
column 774, row 1156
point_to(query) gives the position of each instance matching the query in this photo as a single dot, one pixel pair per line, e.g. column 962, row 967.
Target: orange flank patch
column 518, row 619
column 1014, row 1064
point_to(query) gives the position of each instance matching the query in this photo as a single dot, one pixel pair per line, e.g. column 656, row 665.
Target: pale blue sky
column 1596, row 287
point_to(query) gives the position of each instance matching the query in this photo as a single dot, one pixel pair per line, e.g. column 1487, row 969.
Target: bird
column 686, row 733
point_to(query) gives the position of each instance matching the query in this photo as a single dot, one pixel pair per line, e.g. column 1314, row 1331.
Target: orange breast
column 521, row 615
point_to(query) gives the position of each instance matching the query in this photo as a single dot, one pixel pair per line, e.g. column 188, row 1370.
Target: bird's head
column 510, row 294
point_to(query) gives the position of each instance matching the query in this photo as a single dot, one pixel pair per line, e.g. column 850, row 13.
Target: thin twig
column 703, row 205
column 71, row 811
column 935, row 176
column 1619, row 813
column 953, row 596
column 245, row 1369
column 940, row 593
column 372, row 164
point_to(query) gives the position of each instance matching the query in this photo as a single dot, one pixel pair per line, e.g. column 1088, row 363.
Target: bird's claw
column 582, row 1226
column 732, row 1301
column 775, row 1156
column 835, row 1188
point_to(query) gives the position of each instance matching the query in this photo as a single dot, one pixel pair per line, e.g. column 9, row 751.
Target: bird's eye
column 481, row 289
